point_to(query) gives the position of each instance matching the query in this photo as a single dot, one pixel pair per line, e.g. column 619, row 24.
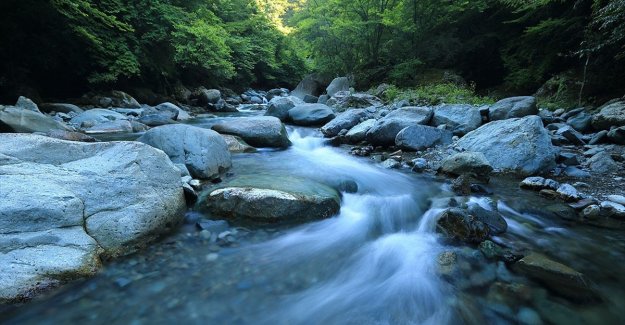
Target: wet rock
column 421, row 137
column 270, row 199
column 156, row 120
column 612, row 209
column 359, row 132
column 609, row 116
column 513, row 107
column 419, row 165
column 568, row 193
column 204, row 152
column 466, row 162
column 265, row 131
column 571, row 135
column 311, row 114
column 310, row 99
column 581, row 204
column 456, row 224
column 236, row 144
column 459, row 119
column 96, row 116
column 60, row 108
column 558, row 277
column 528, row 316
column 591, row 212
column 279, row 107
column 462, row 185
column 549, row 194
column 617, row 135
column 391, row 164
column 345, row 120
column 447, row 263
column 70, row 136
column 25, row 121
column 385, row 130
column 490, row 249
column 517, row 145
column 538, row 183
column 214, row 226
column 575, row 172
column 495, row 222
column 75, row 200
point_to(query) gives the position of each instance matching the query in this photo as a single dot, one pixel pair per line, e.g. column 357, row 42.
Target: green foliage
column 435, row 94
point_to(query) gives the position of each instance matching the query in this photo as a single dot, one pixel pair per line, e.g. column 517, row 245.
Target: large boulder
column 386, row 129
column 204, row 152
column 359, row 132
column 581, row 122
column 421, row 137
column 338, row 84
column 310, row 85
column 513, row 107
column 518, row 145
column 279, row 107
column 27, row 104
column 311, row 114
column 271, row 199
column 609, row 116
column 113, row 98
column 71, row 202
column 236, row 144
column 207, row 96
column 263, row 131
column 459, row 119
column 21, row 120
column 117, row 126
column 345, row 120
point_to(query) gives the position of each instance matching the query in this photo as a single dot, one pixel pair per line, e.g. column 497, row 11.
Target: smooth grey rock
column 310, row 99
column 204, row 152
column 609, row 116
column 581, row 122
column 74, row 200
column 421, row 137
column 279, row 107
column 391, row 164
column 575, row 172
column 338, row 84
column 459, row 119
column 60, row 108
column 27, row 104
column 385, row 130
column 495, row 222
column 568, row 193
column 310, row 85
column 271, row 199
column 591, row 212
column 519, row 145
column 25, row 121
column 345, row 120
column 96, row 116
column 613, row 209
column 156, row 120
column 620, row 199
column 207, row 96
column 568, row 158
column 513, row 107
column 311, row 114
column 118, row 126
column 359, row 132
column 263, row 131
column 343, row 100
column 236, row 144
column 617, row 135
column 602, row 162
column 166, row 109
column 599, row 137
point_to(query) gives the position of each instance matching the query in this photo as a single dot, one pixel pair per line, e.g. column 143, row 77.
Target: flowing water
column 376, row 262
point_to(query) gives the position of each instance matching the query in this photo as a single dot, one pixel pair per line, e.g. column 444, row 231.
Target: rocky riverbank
column 91, row 200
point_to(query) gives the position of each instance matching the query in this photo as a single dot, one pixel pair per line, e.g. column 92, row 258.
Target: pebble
column 591, row 212
column 419, row 165
column 195, row 184
column 391, row 164
column 212, row 257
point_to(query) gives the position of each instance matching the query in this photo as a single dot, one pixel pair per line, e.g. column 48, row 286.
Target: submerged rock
column 270, row 200
column 264, row 131
column 519, row 145
column 558, row 277
column 77, row 200
column 204, row 152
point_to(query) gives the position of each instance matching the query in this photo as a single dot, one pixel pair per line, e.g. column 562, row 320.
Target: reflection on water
column 374, row 263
